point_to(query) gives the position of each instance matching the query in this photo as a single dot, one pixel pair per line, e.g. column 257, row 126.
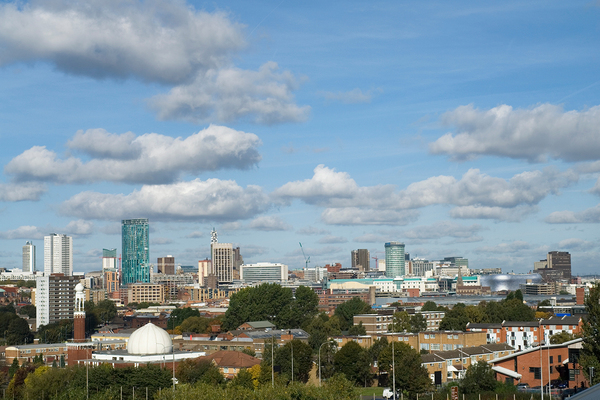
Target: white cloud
column 11, row 192
column 515, row 214
column 195, row 235
column 505, row 248
column 249, row 251
column 443, row 229
column 353, row 96
column 229, row 94
column 371, row 238
column 269, row 223
column 591, row 215
column 330, row 239
column 358, row 216
column 476, row 195
column 197, row 200
column 576, row 244
column 596, row 188
column 160, row 241
column 311, row 230
column 73, row 228
column 164, row 41
column 532, row 134
column 161, row 159
column 99, row 143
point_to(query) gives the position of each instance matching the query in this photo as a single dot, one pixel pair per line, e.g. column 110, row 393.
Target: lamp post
column 292, row 346
column 320, row 362
column 393, row 369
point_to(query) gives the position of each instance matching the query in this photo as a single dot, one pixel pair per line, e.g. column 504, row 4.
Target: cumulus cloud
column 505, row 248
column 515, row 214
column 531, row 134
column 249, row 251
column 591, row 215
column 160, row 241
column 443, row 229
column 311, row 230
column 353, row 96
column 576, row 244
column 197, row 200
column 269, row 223
column 475, row 194
column 11, row 192
column 163, row 41
column 73, row 228
column 330, row 239
column 195, row 235
column 149, row 158
column 596, row 188
column 229, row 94
column 371, row 238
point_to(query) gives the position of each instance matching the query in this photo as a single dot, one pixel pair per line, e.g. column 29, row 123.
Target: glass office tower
column 136, row 251
column 394, row 259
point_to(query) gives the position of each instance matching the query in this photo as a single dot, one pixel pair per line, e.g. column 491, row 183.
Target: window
column 536, row 372
column 551, row 359
column 435, row 346
column 424, row 346
column 426, row 336
column 559, row 358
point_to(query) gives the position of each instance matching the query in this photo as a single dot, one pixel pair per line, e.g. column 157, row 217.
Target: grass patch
column 370, row 391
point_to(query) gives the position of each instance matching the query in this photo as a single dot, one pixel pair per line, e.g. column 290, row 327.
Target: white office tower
column 28, row 257
column 221, row 259
column 58, row 254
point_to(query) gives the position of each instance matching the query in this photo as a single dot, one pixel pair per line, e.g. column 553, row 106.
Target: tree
column 249, row 351
column 455, row 319
column 429, row 306
column 302, row 360
column 418, row 323
column 328, row 351
column 353, row 361
column 195, row 325
column 243, row 379
column 13, row 367
column 479, row 378
column 347, row 310
column 590, row 354
column 320, row 328
column 181, row 314
column 198, row 370
column 561, row 337
column 28, row 310
column 105, row 310
column 18, row 332
column 411, row 377
column 401, row 322
column 357, row 330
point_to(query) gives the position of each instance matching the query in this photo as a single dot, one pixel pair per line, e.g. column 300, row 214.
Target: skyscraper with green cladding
column 136, row 251
column 394, row 259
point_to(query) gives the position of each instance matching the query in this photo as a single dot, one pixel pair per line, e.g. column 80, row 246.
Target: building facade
column 166, row 265
column 58, row 254
column 394, row 259
column 29, row 257
column 136, row 251
column 264, row 272
column 360, row 259
column 560, row 261
column 55, row 298
column 146, row 292
column 222, row 261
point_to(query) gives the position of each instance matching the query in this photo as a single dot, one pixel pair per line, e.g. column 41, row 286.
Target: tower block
column 79, row 315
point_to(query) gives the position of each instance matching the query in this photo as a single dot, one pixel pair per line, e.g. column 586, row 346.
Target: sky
column 460, row 128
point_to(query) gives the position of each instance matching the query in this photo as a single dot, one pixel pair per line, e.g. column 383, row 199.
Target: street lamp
column 326, row 342
column 393, row 369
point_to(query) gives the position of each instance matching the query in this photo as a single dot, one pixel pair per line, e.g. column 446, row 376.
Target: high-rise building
column 55, row 298
column 166, row 265
column 394, row 259
column 360, row 259
column 221, row 259
column 458, row 261
column 28, row 257
column 110, row 271
column 560, row 261
column 264, row 272
column 237, row 259
column 58, row 254
column 136, row 251
column 204, row 268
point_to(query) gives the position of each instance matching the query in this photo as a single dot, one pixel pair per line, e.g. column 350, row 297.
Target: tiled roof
column 232, row 359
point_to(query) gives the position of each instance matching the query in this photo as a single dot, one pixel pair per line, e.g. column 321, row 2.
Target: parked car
column 522, row 387
column 389, row 394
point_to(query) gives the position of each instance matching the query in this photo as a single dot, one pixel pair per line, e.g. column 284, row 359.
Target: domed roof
column 79, row 287
column 149, row 339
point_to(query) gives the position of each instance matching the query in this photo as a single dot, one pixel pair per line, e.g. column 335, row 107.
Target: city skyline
column 457, row 128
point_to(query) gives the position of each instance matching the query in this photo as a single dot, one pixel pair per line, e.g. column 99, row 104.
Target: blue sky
column 459, row 128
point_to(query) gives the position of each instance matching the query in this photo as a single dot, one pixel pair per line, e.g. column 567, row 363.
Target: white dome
column 79, row 287
column 149, row 339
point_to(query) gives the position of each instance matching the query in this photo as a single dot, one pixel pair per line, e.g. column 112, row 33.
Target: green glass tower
column 136, row 251
column 394, row 259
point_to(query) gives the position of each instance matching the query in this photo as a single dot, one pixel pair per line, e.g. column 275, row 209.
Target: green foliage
column 357, row 330
column 321, row 328
column 346, row 311
column 142, row 305
column 271, row 302
column 303, row 360
column 401, row 322
column 13, row 367
column 243, row 379
column 561, row 337
column 28, row 310
column 328, row 351
column 249, row 351
column 590, row 354
column 418, row 323
column 354, row 362
column 18, row 332
column 198, row 324
column 455, row 319
column 543, row 303
column 411, row 377
column 181, row 314
column 56, row 332
column 105, row 311
column 479, row 378
column 198, row 370
column 429, row 306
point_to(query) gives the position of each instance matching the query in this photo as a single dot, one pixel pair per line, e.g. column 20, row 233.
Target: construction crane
column 376, row 262
column 306, row 259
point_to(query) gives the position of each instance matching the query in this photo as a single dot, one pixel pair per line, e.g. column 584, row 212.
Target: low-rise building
column 146, row 293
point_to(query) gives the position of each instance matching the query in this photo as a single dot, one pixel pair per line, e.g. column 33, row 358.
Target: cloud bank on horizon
column 498, row 177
